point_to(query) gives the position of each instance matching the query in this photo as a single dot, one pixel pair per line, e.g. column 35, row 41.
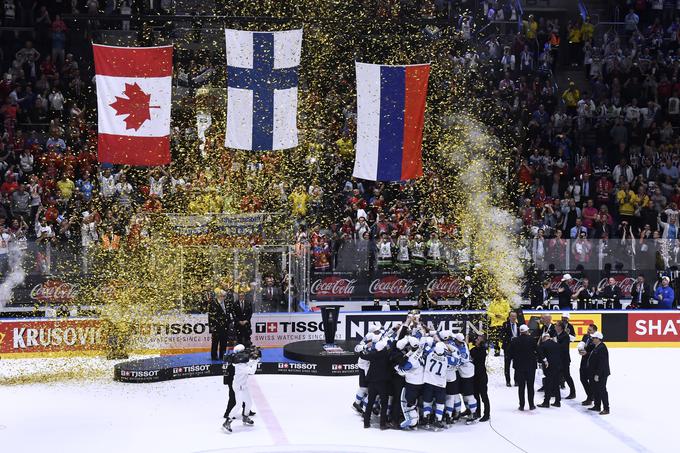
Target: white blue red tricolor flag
column 134, row 99
column 390, row 119
column 262, row 81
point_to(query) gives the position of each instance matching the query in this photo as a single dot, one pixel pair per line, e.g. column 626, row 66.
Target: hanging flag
column 262, row 80
column 390, row 118
column 134, row 94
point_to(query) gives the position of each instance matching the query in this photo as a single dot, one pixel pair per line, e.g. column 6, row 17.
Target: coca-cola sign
column 333, row 287
column 54, row 291
column 391, row 286
column 573, row 284
column 624, row 282
column 447, row 286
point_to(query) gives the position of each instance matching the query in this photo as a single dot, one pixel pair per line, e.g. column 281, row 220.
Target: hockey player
column 437, row 362
column 452, row 388
column 245, row 364
column 363, row 364
column 466, row 373
column 413, row 375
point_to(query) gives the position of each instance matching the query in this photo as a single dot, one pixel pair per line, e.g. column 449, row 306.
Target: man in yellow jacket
column 571, row 96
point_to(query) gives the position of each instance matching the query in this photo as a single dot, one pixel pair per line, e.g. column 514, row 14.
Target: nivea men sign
column 356, row 326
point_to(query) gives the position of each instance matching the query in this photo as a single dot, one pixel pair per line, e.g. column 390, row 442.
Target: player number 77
column 439, row 370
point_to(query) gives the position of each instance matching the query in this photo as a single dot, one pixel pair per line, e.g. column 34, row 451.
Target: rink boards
column 199, row 364
column 189, row 333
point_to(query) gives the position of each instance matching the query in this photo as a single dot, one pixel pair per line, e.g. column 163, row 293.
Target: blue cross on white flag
column 262, row 80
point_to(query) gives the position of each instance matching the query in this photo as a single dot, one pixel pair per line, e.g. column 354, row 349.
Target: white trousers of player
column 242, row 395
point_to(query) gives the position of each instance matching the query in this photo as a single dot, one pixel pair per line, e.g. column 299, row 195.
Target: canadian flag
column 134, row 97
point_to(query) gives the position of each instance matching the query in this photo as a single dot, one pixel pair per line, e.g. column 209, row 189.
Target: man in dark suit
column 522, row 351
column 244, row 313
column 377, row 378
column 220, row 321
column 585, row 347
column 563, row 340
column 541, row 295
column 639, row 295
column 551, row 355
column 548, row 327
column 598, row 371
column 509, row 330
column 272, row 296
column 611, row 294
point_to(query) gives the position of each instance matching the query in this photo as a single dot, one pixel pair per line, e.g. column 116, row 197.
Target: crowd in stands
column 600, row 159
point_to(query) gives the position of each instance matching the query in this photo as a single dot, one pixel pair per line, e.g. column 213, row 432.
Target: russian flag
column 390, row 119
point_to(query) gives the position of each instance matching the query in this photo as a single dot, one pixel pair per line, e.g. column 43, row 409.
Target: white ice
column 305, row 413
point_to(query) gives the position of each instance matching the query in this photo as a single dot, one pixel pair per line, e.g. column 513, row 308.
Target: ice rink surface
column 314, row 414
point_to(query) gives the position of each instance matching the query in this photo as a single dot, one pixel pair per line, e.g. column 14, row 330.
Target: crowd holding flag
column 390, row 119
column 134, row 96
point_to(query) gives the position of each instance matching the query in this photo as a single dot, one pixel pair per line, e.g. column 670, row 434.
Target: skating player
column 245, row 364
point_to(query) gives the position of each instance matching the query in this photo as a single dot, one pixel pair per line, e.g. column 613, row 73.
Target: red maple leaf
column 135, row 106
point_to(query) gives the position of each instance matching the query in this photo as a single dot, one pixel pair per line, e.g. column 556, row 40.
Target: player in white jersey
column 362, row 392
column 244, row 366
column 437, row 362
column 413, row 374
column 453, row 401
column 466, row 373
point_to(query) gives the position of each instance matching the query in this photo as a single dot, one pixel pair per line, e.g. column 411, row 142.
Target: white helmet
column 445, row 334
column 379, row 346
column 439, row 348
column 459, row 337
column 413, row 341
column 239, row 348
column 401, row 344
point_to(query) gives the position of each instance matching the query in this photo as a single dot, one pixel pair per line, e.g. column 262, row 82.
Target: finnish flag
column 262, row 81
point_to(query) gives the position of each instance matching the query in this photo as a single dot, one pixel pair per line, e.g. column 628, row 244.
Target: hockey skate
column 438, row 425
column 470, row 420
column 227, row 425
column 358, row 408
column 247, row 421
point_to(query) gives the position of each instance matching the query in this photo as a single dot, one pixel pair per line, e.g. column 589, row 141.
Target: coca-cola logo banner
column 51, row 291
column 391, row 286
column 333, row 287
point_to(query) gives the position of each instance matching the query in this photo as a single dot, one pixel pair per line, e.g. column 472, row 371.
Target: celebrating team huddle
column 417, row 377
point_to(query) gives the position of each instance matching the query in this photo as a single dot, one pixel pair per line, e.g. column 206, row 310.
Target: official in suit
column 272, row 296
column 481, row 378
column 220, row 322
column 244, row 314
column 598, row 372
column 522, row 351
column 639, row 295
column 568, row 327
column 585, row 347
column 378, row 379
column 563, row 340
column 611, row 294
column 541, row 295
column 509, row 330
column 548, row 327
column 550, row 354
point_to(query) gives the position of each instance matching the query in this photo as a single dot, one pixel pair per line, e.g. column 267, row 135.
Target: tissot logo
column 138, row 374
column 286, row 327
